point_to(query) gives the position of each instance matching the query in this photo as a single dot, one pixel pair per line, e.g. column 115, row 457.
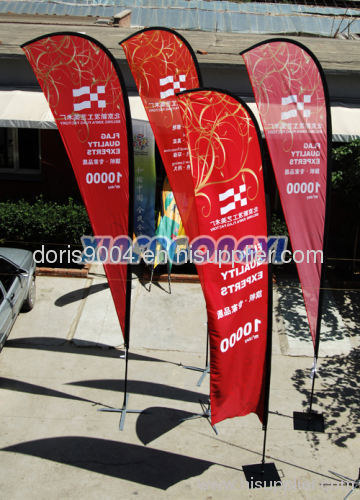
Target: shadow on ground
column 291, row 308
column 144, row 388
column 80, row 347
column 20, row 386
column 348, row 304
column 153, row 422
column 156, row 468
column 338, row 398
column 79, row 294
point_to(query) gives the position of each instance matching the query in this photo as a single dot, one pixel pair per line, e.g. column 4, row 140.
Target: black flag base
column 262, row 475
column 205, row 414
column 124, row 410
column 204, row 371
column 309, row 421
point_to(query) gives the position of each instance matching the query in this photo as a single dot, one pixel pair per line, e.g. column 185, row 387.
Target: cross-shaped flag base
column 205, row 414
column 124, row 410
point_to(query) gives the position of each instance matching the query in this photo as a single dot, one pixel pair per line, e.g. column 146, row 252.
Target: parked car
column 17, row 287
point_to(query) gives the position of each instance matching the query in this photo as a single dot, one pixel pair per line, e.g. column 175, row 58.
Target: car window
column 8, row 273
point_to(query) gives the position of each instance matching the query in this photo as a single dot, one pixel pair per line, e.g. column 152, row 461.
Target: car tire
column 29, row 302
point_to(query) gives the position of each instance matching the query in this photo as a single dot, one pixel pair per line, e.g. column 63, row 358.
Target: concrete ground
column 57, row 371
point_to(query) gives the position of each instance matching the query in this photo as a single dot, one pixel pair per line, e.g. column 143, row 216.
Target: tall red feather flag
column 86, row 95
column 228, row 185
column 291, row 95
column 162, row 64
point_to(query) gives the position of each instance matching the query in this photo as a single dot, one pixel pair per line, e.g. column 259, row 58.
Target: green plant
column 278, row 226
column 346, row 186
column 346, row 173
column 43, row 221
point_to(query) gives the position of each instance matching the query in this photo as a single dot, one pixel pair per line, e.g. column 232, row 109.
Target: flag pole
column 311, row 420
column 265, row 474
column 268, row 360
column 124, row 410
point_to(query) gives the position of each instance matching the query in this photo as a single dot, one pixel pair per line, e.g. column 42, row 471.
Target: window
column 8, row 273
column 19, row 151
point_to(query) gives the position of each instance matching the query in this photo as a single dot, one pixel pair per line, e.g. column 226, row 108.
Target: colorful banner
column 291, row 95
column 162, row 64
column 230, row 205
column 145, row 179
column 169, row 224
column 84, row 88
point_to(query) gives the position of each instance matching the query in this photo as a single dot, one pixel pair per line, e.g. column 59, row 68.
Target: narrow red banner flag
column 162, row 64
column 291, row 95
column 84, row 88
column 228, row 185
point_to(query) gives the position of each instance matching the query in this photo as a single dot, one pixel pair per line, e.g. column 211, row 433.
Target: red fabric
column 290, row 97
column 83, row 89
column 162, row 65
column 230, row 201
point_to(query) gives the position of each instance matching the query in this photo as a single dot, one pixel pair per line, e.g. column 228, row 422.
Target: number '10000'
column 303, row 187
column 103, row 177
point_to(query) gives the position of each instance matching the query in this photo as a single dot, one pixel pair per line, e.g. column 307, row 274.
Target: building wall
column 56, row 180
column 15, row 72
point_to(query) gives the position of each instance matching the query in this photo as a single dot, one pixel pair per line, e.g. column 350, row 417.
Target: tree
column 346, row 187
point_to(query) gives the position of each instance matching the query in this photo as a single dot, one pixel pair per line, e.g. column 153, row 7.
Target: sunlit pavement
column 57, row 371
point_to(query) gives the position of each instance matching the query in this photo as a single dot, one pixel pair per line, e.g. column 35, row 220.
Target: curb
column 63, row 272
column 174, row 278
column 84, row 273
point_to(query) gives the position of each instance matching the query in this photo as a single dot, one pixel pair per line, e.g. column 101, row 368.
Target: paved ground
column 56, row 373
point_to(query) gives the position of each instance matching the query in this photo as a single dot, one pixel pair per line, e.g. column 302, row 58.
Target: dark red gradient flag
column 291, row 95
column 227, row 173
column 162, row 64
column 84, row 88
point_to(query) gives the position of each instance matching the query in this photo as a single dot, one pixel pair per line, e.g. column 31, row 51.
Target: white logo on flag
column 91, row 97
column 300, row 106
column 175, row 86
column 236, row 197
